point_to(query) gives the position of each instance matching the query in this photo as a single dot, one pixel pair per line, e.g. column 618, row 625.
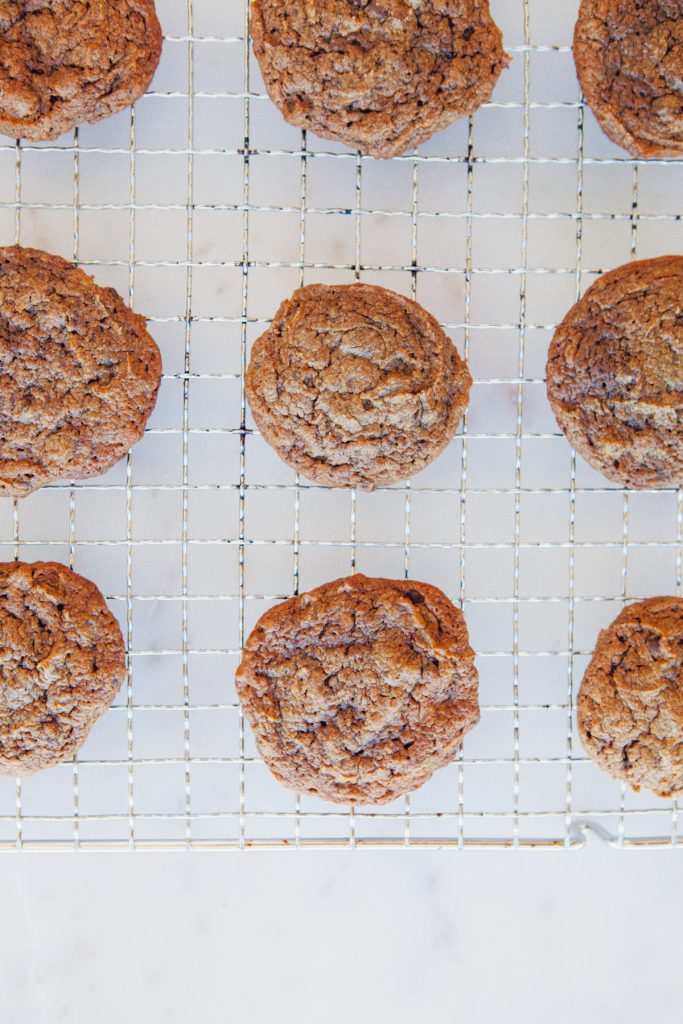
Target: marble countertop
column 339, row 937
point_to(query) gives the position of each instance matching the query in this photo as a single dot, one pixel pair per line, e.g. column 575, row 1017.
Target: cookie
column 630, row 706
column 380, row 76
column 615, row 374
column 359, row 690
column 79, row 373
column 65, row 62
column 356, row 386
column 62, row 662
column 629, row 59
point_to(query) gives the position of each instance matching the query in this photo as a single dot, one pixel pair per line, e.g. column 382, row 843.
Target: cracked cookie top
column 62, row 662
column 359, row 690
column 629, row 59
column 615, row 374
column 356, row 386
column 65, row 62
column 79, row 373
column 378, row 75
column 630, row 706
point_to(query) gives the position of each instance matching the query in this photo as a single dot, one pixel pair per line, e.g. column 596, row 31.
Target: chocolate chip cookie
column 630, row 706
column 65, row 62
column 62, row 662
column 359, row 690
column 356, row 386
column 615, row 374
column 79, row 373
column 380, row 76
column 629, row 59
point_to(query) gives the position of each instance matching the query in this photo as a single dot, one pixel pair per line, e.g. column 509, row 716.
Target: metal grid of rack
column 204, row 209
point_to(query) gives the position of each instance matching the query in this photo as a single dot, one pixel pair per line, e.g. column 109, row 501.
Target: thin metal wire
column 72, row 491
column 129, row 515
column 176, row 818
column 353, row 544
column 320, row 154
column 296, row 546
column 626, row 519
column 519, row 443
column 290, row 816
column 407, row 501
column 284, row 487
column 679, row 593
column 469, row 242
column 19, row 830
column 186, row 431
column 364, row 267
column 624, row 591
column 572, row 507
column 243, row 417
column 328, row 211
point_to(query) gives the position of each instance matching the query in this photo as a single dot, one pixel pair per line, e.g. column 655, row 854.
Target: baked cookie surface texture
column 380, row 76
column 615, row 374
column 630, row 706
column 629, row 59
column 356, row 386
column 66, row 62
column 79, row 373
column 62, row 662
column 359, row 690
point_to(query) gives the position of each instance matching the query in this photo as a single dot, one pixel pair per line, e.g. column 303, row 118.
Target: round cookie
column 629, row 59
column 380, row 76
column 356, row 386
column 79, row 374
column 359, row 690
column 615, row 374
column 65, row 62
column 630, row 706
column 62, row 662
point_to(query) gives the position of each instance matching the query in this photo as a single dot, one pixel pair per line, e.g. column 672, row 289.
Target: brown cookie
column 378, row 75
column 615, row 374
column 630, row 706
column 62, row 662
column 359, row 690
column 64, row 62
column 79, row 373
column 629, row 59
column 356, row 386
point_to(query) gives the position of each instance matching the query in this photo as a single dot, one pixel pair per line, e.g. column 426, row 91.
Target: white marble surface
column 297, row 937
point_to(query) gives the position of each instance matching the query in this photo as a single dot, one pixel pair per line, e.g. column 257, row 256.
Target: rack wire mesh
column 205, row 209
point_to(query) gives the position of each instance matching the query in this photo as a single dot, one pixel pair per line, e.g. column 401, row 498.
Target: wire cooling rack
column 205, row 210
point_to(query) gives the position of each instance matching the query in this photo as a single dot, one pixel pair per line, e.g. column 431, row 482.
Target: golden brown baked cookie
column 629, row 59
column 615, row 374
column 630, row 706
column 62, row 662
column 380, row 76
column 356, row 386
column 79, row 374
column 65, row 62
column 359, row 690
